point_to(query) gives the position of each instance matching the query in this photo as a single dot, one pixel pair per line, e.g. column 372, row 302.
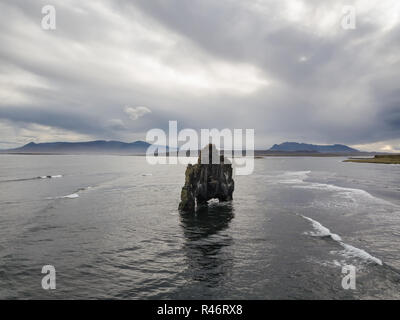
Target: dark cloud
column 285, row 68
column 57, row 118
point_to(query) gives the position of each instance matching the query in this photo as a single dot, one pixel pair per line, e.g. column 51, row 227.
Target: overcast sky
column 115, row 69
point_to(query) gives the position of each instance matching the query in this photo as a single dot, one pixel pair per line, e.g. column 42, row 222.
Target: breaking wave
column 347, row 192
column 297, row 179
column 33, row 178
column 293, row 177
column 349, row 250
column 51, row 177
column 321, row 231
column 71, row 196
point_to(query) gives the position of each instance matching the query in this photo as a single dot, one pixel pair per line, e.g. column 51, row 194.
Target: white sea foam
column 147, row 174
column 72, row 196
column 293, row 177
column 321, row 231
column 331, row 187
column 50, row 177
column 352, row 194
column 349, row 250
column 297, row 179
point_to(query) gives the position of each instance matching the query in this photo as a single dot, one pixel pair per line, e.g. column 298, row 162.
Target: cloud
column 116, row 124
column 382, row 146
column 18, row 134
column 137, row 112
column 284, row 68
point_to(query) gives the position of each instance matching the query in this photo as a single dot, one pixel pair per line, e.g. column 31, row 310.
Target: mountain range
column 305, row 147
column 140, row 147
column 99, row 146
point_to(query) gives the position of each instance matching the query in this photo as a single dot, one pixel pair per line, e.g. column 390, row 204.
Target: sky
column 288, row 69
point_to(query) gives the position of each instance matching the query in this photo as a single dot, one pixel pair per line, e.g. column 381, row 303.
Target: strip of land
column 384, row 159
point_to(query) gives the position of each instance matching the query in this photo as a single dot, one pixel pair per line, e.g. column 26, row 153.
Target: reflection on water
column 207, row 245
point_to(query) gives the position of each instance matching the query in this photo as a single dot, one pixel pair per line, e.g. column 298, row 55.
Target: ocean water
column 110, row 227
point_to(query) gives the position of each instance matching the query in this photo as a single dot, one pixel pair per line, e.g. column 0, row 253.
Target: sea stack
column 210, row 178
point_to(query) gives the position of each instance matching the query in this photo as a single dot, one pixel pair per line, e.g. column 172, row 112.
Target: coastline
column 380, row 159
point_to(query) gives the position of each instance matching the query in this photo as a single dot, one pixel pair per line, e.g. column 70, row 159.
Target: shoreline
column 380, row 159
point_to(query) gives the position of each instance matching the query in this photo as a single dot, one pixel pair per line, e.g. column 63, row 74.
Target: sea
column 297, row 228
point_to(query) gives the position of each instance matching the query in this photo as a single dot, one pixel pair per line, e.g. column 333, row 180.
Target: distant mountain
column 100, row 146
column 305, row 147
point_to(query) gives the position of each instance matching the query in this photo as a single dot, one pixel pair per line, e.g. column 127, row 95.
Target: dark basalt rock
column 207, row 180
